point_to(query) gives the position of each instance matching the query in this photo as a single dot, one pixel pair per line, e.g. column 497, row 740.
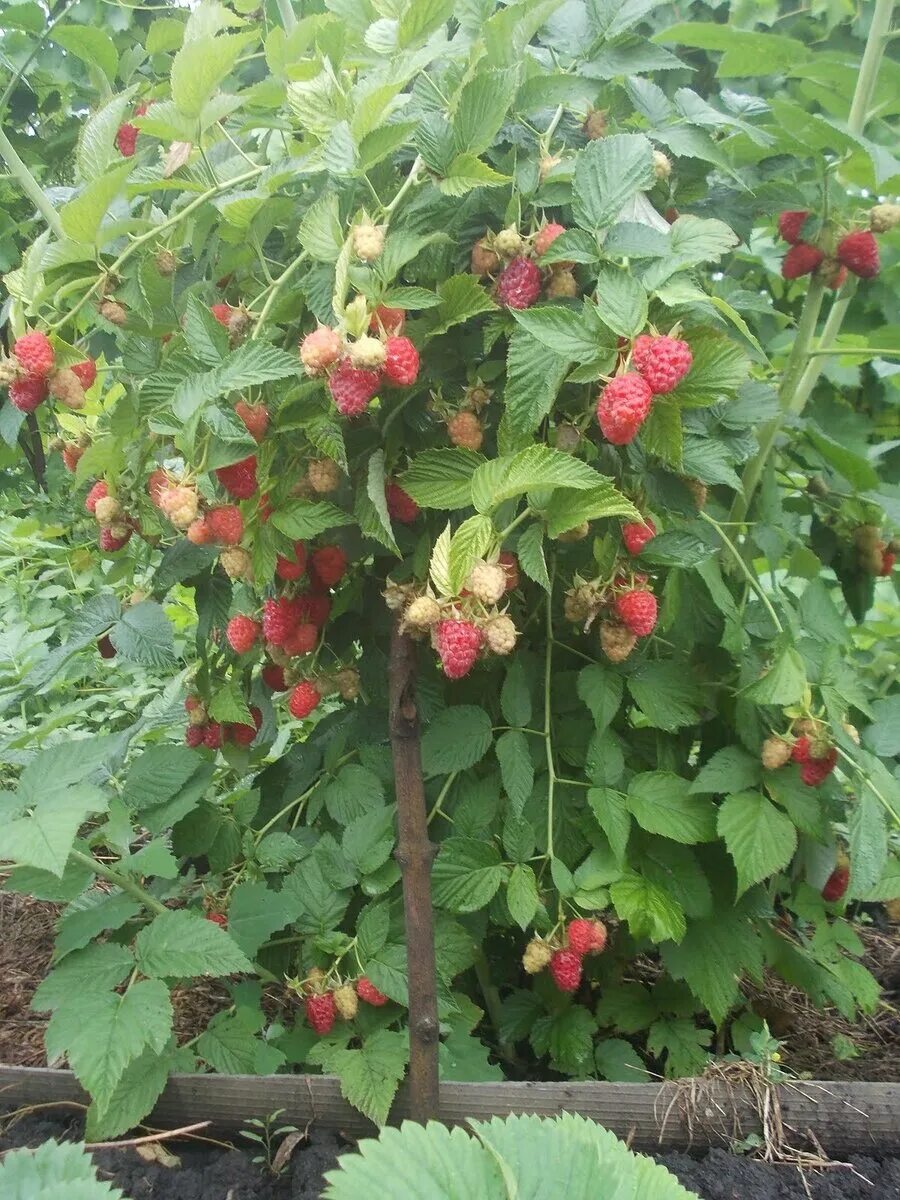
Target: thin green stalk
column 548, row 739
column 30, row 186
column 274, row 291
column 745, row 570
column 886, row 804
column 442, row 795
column 840, row 351
column 514, row 524
column 407, row 184
column 121, row 881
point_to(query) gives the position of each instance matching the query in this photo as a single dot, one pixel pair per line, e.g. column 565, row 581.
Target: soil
column 203, row 1171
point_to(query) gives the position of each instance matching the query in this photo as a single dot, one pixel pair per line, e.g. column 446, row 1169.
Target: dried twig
column 151, row 1137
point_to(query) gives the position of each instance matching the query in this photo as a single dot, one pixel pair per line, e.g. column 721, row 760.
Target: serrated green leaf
column 665, row 694
column 522, row 895
column 759, row 837
column 456, row 739
column 568, row 509
column 255, row 912
column 473, row 540
column 180, row 943
column 370, row 1075
column 621, row 302
column 536, row 467
column 442, row 478
column 662, row 803
column 138, row 1089
column 461, row 298
column 516, row 769
column 200, row 66
column 534, row 375
column 611, row 811
column 467, row 172
column 731, row 769
column 685, row 1046
column 713, row 957
column 99, row 967
column 783, row 683
column 466, row 874
column 81, row 217
column 608, row 173
column 97, row 139
column 601, row 690
column 302, row 519
column 54, row 1170
column 569, row 332
column 649, row 909
column 531, row 555
column 143, row 634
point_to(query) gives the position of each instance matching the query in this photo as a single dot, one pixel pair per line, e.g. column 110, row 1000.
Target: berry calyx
column 401, row 361
column 34, row 353
column 661, row 361
column 242, row 633
column 586, row 935
column 636, row 535
column 790, row 225
column 565, row 967
column 304, row 699
column 637, row 610
column 457, row 644
column 320, row 349
column 519, row 284
column 321, row 1012
column 622, row 408
column 352, row 387
column 400, row 505
column 367, row 991
column 801, row 259
column 465, row 430
column 329, row 564
column 858, row 252
column 239, row 479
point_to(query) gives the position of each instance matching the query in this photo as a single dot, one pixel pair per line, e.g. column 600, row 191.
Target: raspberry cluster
column 510, row 257
column 563, row 952
column 832, row 257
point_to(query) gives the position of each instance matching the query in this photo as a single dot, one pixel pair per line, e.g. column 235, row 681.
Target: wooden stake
column 414, row 854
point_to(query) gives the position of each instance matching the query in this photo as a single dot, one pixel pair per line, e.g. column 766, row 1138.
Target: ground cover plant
column 541, row 355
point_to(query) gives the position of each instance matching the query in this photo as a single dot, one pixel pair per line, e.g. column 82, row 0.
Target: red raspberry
column 255, row 418
column 366, row 990
column 273, row 677
column 352, row 387
column 292, row 568
column 565, row 967
column 859, row 253
column 126, row 139
column 86, row 372
column 622, row 408
column 34, row 353
column 586, row 936
column 71, row 455
column 519, row 284
column 212, row 735
column 302, row 639
column 304, row 699
column 99, row 491
column 458, row 643
column 226, row 525
column 661, row 361
column 636, row 535
column 790, row 225
column 800, row 750
column 242, row 633
column 320, row 349
column 510, row 565
column 157, row 484
column 400, row 506
column 401, row 363
column 222, row 313
column 239, row 480
column 817, row 770
column 243, row 735
column 636, row 610
column 836, row 884
column 199, row 532
column 218, row 919
column 110, row 542
column 801, row 259
column 193, row 736
column 465, row 430
column 888, row 559
column 315, row 607
column 281, row 617
column 329, row 564
column 26, row 394
column 546, row 236
column 391, row 320
column 321, row 1012
column 192, row 703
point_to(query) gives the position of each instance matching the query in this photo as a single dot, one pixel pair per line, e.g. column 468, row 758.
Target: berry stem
column 867, row 781
column 30, row 186
column 121, row 881
column 548, row 740
column 274, row 290
column 745, row 570
column 407, row 184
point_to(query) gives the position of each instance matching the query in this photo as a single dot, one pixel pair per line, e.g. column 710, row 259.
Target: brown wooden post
column 414, row 854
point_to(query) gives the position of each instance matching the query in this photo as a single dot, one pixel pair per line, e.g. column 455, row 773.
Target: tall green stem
column 30, row 186
column 286, row 12
column 548, row 732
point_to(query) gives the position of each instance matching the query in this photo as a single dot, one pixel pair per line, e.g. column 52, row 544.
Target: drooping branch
column 414, row 854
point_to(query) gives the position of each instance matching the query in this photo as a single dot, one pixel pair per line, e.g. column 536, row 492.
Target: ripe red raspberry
column 218, row 919
column 800, row 751
column 457, row 643
column 315, row 607
column 790, row 225
column 329, row 564
column 400, row 506
column 110, row 540
column 367, row 991
column 157, row 485
column 817, row 770
column 661, row 361
column 321, row 1012
column 586, row 936
column 212, row 735
column 836, row 884
column 352, row 388
column 859, row 253
column 510, row 565
column 565, row 967
column 622, row 408
column 391, row 320
column 636, row 610
column 292, row 568
column 34, row 353
column 255, row 418
column 239, row 479
column 320, row 349
column 401, row 363
column 546, row 236
column 26, row 394
column 888, row 559
column 273, row 677
column 304, row 699
column 302, row 639
column 242, row 633
column 222, row 313
column 519, row 284
column 281, row 617
column 801, row 259
column 225, row 524
column 243, row 735
column 126, row 139
column 193, row 736
column 465, row 431
column 636, row 534
column 99, row 491
column 86, row 372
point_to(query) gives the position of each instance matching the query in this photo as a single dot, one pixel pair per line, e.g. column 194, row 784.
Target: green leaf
column 611, row 811
column 467, row 172
column 662, row 434
column 628, row 1007
column 180, row 944
column 601, row 690
column 694, row 240
column 302, row 519
column 457, row 738
column 139, row 1087
column 783, row 683
column 102, row 1032
column 684, row 1045
column 255, row 912
column 471, row 542
column 746, row 53
column 461, row 298
column 665, row 694
column 515, row 698
column 618, row 1061
column 868, row 844
column 158, row 774
column 535, row 467
column 568, row 332
column 568, row 509
column 97, row 139
column 207, row 338
column 231, row 1045
column 143, row 634
column 857, row 470
column 420, row 18
column 89, row 915
column 442, row 478
column 81, row 216
column 534, row 376
column 98, row 967
column 353, row 792
column 713, row 957
column 516, row 768
column 531, row 555
column 730, row 769
column 649, row 910
column 567, row 1037
column 760, row 839
column 662, row 803
column 718, row 369
column 522, row 895
column 371, row 1075
column 481, row 109
column 608, row 173
column 201, row 65
column 320, row 233
column 371, row 505
column 54, row 1170
column 89, row 44
column 369, row 840
column 466, row 874
column 621, row 302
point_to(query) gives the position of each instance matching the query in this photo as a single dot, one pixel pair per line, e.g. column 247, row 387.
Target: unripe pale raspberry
column 255, row 418
column 859, row 253
column 226, row 524
column 320, row 349
column 884, row 217
column 775, row 753
column 166, row 262
column 637, row 610
column 622, row 408
column 321, row 1012
column 65, row 387
column 239, row 479
column 324, row 475
column 576, row 534
column 562, row 286
column 636, row 534
column 347, row 682
column 346, row 1001
column 662, row 165
column 28, row 393
column 368, row 241
column 485, row 260
column 519, row 284
column 9, row 371
column 851, row 731
column 457, row 643
column 465, row 430
column 196, row 710
column 287, row 567
column 423, row 613
column 113, row 312
column 616, row 641
column 34, row 353
column 242, row 633
column 790, row 225
column 698, row 490
column 107, row 510
column 565, row 967
column 586, row 935
column 367, row 353
column 400, row 505
column 662, row 362
column 85, row 372
column 801, row 259
column 401, row 361
column 304, row 699
column 180, row 504
column 866, row 537
column 352, row 388
column 330, row 564
column 97, row 492
column 500, row 635
column 487, row 582
column 595, row 123
column 508, row 242
column 236, row 562
column 367, row 991
column 537, row 955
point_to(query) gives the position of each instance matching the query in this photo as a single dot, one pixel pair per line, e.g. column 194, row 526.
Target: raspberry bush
column 477, row 324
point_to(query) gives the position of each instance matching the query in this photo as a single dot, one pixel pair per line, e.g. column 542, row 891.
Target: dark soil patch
column 27, row 930
column 213, row 1172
